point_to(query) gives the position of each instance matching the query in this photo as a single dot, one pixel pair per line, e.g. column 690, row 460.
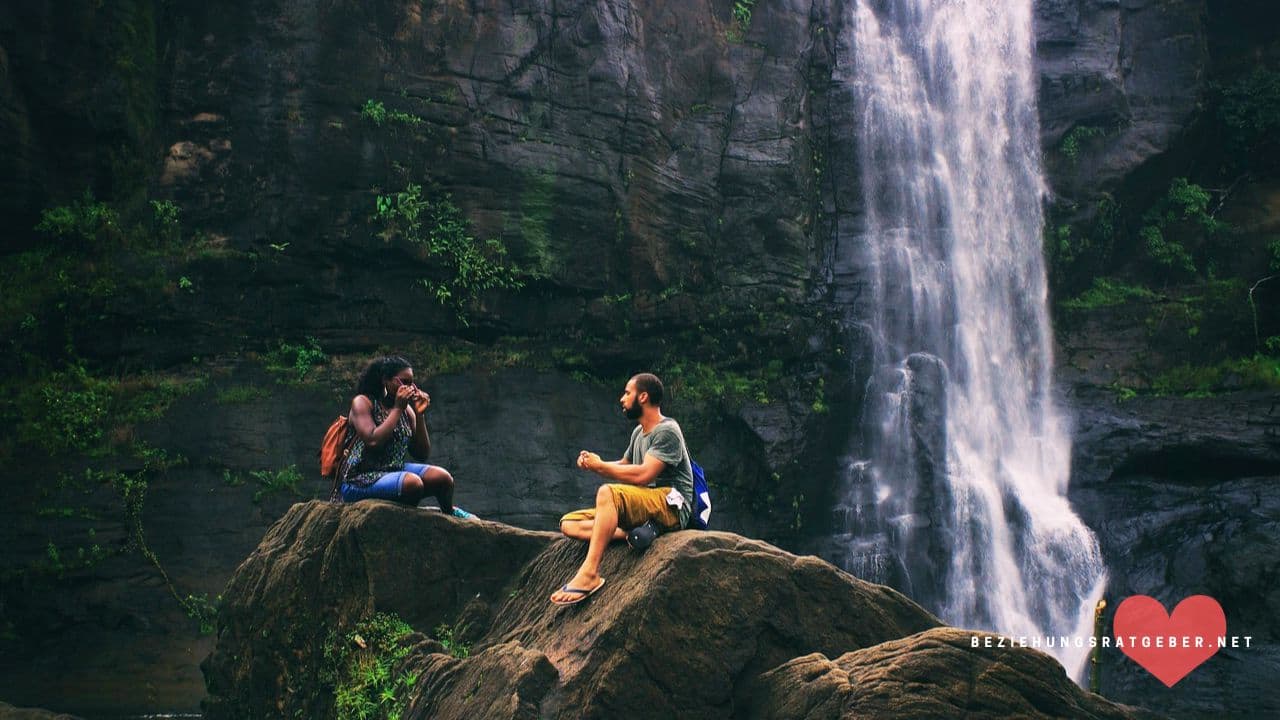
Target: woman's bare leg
column 438, row 483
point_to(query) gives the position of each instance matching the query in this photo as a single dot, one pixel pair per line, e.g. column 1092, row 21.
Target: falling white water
column 975, row 522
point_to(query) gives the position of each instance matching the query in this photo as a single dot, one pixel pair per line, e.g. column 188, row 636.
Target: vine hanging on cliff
column 470, row 267
column 741, row 20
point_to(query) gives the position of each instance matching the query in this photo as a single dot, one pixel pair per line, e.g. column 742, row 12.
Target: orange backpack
column 334, row 447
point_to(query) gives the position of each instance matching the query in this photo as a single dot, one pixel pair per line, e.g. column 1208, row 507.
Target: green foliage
column 1079, row 253
column 132, row 488
column 126, row 34
column 1191, row 202
column 1108, row 292
column 1259, row 372
column 68, row 412
column 295, row 361
column 203, row 610
column 405, row 118
column 149, row 397
column 1123, row 393
column 239, row 395
column 76, row 407
column 362, row 667
column 165, row 222
column 100, row 260
column 1178, row 237
column 1070, row 144
column 470, row 267
column 377, row 113
column 700, row 382
column 166, row 213
column 450, row 636
column 1215, row 304
column 537, row 210
column 742, row 10
column 1249, row 109
column 820, row 403
column 271, row 481
column 71, row 410
column 1184, row 209
column 1166, row 253
column 85, row 221
column 62, row 511
column 61, row 561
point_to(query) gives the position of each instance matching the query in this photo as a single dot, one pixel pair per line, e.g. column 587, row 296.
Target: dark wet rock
column 615, row 149
column 933, row 674
column 640, row 143
column 1133, row 71
column 928, row 409
column 9, row 712
column 1182, row 495
column 1191, row 441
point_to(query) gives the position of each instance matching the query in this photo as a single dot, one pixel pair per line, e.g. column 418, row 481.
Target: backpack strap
column 693, row 503
column 340, row 472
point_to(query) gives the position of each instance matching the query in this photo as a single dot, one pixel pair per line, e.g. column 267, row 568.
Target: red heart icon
column 1169, row 646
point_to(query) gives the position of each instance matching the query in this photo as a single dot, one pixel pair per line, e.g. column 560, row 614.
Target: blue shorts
column 387, row 487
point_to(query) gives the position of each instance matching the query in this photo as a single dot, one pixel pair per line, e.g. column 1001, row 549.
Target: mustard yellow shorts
column 636, row 506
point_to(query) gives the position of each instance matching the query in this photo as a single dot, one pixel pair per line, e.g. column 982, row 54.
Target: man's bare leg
column 602, row 531
column 581, row 530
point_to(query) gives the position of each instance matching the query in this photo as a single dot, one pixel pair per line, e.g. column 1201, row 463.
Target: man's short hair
column 649, row 383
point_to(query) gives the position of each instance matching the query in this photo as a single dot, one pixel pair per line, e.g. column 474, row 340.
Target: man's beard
column 633, row 411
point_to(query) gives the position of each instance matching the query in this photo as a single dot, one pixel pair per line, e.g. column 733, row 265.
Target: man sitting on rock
column 657, row 456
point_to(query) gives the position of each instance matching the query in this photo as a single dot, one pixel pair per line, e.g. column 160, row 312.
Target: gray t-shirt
column 666, row 442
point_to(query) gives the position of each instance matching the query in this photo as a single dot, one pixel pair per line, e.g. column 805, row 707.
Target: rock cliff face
column 615, row 149
column 702, row 625
column 1127, row 75
column 1181, row 493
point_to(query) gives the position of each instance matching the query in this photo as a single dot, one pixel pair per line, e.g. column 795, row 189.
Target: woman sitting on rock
column 389, row 425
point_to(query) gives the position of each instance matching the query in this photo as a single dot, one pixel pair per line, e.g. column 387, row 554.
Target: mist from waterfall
column 956, row 489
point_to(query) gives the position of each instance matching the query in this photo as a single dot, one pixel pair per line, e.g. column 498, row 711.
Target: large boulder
column 702, row 625
column 322, row 566
column 937, row 673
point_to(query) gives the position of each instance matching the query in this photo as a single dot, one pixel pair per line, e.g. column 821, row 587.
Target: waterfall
column 955, row 490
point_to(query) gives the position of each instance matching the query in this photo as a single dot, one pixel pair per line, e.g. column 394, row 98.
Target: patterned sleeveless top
column 365, row 465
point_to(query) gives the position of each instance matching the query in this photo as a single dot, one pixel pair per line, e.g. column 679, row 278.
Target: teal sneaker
column 463, row 514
